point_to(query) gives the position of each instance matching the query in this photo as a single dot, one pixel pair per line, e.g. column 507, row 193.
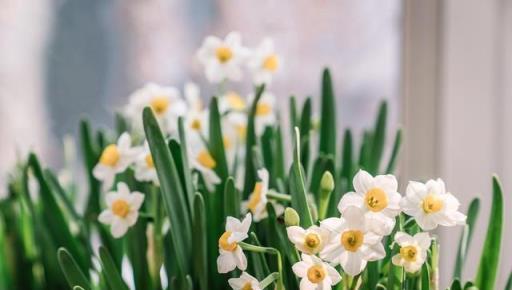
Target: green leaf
column 113, row 277
column 425, row 277
column 347, row 166
column 91, row 154
column 305, row 133
column 509, row 282
column 294, row 115
column 53, row 217
column 466, row 236
column 279, row 162
column 328, row 117
column 394, row 153
column 136, row 248
column 268, row 155
column 297, row 187
column 456, row 285
column 5, row 275
column 365, row 151
column 231, row 199
column 216, row 141
column 378, row 140
column 250, row 142
column 187, row 176
column 172, row 192
column 200, row 255
column 68, row 265
column 489, row 261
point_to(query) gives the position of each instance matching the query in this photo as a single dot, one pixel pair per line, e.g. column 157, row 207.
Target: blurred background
column 443, row 66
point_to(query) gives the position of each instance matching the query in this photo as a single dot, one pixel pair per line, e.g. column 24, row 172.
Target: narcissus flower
column 222, row 59
column 377, row 197
column 244, row 282
column 352, row 244
column 413, row 250
column 257, row 203
column 231, row 255
column 145, row 166
column 431, row 205
column 201, row 159
column 315, row 274
column 122, row 211
column 165, row 102
column 114, row 159
column 265, row 114
column 264, row 62
column 310, row 241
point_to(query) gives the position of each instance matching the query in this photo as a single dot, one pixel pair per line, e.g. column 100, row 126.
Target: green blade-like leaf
column 294, row 115
column 347, row 166
column 5, row 275
column 268, row 155
column 250, row 142
column 91, row 154
column 68, row 265
column 297, row 186
column 216, row 141
column 508, row 286
column 305, row 133
column 425, row 277
column 232, row 199
column 279, row 162
column 53, row 217
column 466, row 236
column 394, row 153
column 328, row 116
column 200, row 255
column 187, row 176
column 113, row 277
column 488, row 268
column 136, row 247
column 172, row 192
column 379, row 137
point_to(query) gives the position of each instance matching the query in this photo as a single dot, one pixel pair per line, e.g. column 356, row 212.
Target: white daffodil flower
column 265, row 113
column 377, row 197
column 231, row 255
column 123, row 209
column 244, row 282
column 114, row 159
column 201, row 160
column 165, row 102
column 431, row 205
column 232, row 102
column 257, row 203
column 144, row 166
column 310, row 241
column 264, row 62
column 413, row 250
column 315, row 274
column 192, row 94
column 222, row 59
column 351, row 244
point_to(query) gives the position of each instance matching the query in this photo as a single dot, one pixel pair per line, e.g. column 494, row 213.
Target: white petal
column 300, row 268
column 375, row 252
column 386, row 182
column 402, row 238
column 363, row 181
column 296, row 234
column 305, row 284
column 240, row 259
column 122, row 188
column 350, row 199
column 397, row 260
column 118, row 228
column 416, row 189
column 136, row 200
column 124, row 141
column 352, row 263
column 106, row 217
column 423, row 240
column 131, row 218
column 354, row 218
column 225, row 262
column 332, row 224
column 333, row 274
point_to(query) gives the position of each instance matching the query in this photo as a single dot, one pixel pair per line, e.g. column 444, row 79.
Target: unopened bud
column 291, row 217
column 327, row 182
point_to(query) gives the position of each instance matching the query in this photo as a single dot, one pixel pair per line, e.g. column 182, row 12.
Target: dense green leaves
column 489, row 261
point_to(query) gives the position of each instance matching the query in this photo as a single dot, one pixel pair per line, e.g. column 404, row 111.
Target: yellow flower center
column 149, row 161
column 312, row 241
column 255, row 198
column 241, row 131
column 271, row 63
column 120, row 208
column 196, row 124
column 376, row 199
column 432, row 204
column 352, row 240
column 409, row 253
column 235, row 101
column 224, row 244
column 205, row 159
column 110, row 155
column 263, row 109
column 316, row 274
column 227, row 143
column 224, row 54
column 247, row 286
column 159, row 105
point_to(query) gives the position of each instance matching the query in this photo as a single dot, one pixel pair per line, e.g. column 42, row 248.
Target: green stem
column 269, row 280
column 279, row 196
column 268, row 250
column 354, row 281
column 434, row 277
column 325, row 195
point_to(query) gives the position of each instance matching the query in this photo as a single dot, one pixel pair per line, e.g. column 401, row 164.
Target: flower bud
column 327, row 182
column 291, row 217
